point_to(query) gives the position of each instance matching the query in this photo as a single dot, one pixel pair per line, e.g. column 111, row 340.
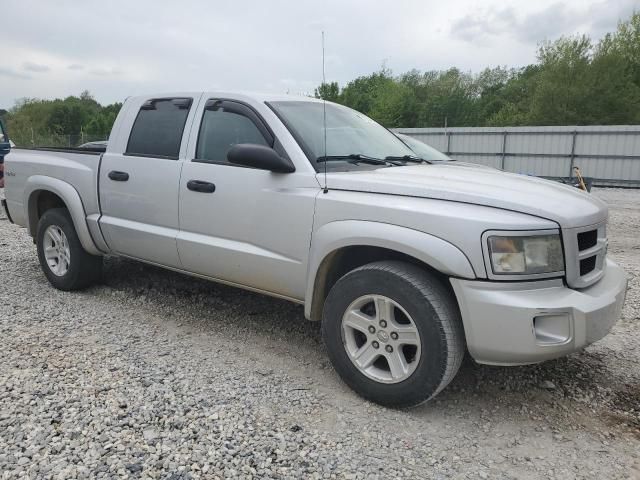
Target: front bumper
column 509, row 323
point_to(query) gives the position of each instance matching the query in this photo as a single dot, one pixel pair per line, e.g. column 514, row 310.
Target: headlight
column 526, row 255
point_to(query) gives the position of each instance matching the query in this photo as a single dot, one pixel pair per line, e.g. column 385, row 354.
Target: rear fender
column 69, row 196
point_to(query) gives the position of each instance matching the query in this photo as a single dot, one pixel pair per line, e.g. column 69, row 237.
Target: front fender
column 69, row 196
column 435, row 252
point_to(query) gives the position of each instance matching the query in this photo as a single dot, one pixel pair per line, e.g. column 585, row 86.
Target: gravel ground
column 157, row 375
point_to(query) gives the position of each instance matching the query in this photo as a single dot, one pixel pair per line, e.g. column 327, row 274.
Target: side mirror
column 259, row 156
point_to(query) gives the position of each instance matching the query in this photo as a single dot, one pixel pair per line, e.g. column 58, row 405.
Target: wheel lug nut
column 394, row 335
column 389, row 348
column 372, row 329
column 383, row 323
column 375, row 344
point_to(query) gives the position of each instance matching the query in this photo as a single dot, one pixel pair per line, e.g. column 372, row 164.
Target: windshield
column 2, row 137
column 422, row 150
column 348, row 132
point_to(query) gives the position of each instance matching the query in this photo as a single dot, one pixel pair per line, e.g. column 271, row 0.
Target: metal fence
column 608, row 154
column 34, row 139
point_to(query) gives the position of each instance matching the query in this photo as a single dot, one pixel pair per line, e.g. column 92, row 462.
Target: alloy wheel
column 56, row 250
column 381, row 338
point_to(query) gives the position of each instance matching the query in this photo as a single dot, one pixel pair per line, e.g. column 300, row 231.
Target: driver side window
column 220, row 130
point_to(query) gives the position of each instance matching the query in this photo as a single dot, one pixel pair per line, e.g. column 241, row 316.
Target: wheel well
column 39, row 202
column 340, row 262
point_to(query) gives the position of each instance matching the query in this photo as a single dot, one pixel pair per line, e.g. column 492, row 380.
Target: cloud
column 549, row 23
column 105, row 72
column 270, row 46
column 8, row 72
column 475, row 26
column 606, row 15
column 35, row 67
column 555, row 20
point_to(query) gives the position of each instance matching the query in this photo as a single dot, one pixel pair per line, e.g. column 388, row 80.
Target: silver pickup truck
column 406, row 261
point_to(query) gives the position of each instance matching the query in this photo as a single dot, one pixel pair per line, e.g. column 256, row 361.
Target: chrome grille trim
column 573, row 255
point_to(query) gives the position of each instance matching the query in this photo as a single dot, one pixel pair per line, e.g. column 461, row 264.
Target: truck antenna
column 324, row 118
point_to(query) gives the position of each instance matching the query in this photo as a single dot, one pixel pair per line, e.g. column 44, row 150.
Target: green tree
column 363, row 92
column 102, row 121
column 513, row 99
column 328, row 91
column 562, row 87
column 448, row 99
column 59, row 122
column 625, row 43
column 574, row 81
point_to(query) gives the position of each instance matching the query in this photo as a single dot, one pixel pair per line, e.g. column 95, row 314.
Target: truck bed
column 77, row 167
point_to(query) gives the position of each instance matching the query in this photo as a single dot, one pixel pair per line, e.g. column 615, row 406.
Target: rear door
column 251, row 227
column 140, row 176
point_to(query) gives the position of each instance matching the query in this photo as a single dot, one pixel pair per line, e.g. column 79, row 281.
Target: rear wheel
column 64, row 262
column 393, row 333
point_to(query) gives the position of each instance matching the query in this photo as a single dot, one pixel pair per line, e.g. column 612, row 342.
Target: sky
column 120, row 48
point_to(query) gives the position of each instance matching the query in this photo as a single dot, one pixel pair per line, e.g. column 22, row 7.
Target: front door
column 139, row 184
column 244, row 225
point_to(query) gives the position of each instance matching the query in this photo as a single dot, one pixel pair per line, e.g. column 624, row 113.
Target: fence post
column 448, row 134
column 573, row 152
column 504, row 149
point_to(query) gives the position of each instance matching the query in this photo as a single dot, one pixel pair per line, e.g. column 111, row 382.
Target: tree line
column 63, row 122
column 575, row 81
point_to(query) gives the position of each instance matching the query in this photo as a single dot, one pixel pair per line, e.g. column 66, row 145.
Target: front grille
column 587, row 265
column 587, row 239
column 585, row 254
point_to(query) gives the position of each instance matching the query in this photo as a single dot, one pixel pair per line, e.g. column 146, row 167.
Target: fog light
column 554, row 329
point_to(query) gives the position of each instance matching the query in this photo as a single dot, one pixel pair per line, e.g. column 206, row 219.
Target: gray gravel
column 158, row 375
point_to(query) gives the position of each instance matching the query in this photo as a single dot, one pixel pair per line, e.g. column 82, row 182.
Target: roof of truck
column 255, row 96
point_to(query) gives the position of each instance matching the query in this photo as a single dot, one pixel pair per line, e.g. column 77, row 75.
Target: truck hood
column 565, row 205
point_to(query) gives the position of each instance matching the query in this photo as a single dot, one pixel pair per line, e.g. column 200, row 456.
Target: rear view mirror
column 259, row 156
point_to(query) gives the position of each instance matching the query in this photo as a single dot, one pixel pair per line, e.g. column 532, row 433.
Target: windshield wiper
column 407, row 158
column 356, row 158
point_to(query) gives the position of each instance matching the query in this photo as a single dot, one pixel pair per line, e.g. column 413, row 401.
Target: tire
column 57, row 234
column 415, row 301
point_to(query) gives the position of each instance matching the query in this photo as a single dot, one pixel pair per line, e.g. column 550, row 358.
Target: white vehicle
column 406, row 263
column 422, row 150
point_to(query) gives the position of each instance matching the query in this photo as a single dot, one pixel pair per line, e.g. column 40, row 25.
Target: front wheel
column 64, row 262
column 393, row 333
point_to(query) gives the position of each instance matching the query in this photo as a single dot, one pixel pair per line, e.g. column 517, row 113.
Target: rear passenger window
column 157, row 131
column 220, row 130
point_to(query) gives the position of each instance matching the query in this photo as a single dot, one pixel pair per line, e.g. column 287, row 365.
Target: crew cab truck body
column 406, row 262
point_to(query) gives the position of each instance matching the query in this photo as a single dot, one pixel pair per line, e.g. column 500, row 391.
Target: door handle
column 200, row 186
column 118, row 176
